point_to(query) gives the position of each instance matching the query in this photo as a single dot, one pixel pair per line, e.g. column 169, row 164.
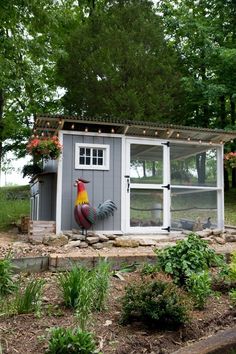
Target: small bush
column 29, row 300
column 101, row 278
column 155, row 303
column 191, row 255
column 85, row 290
column 232, row 268
column 71, row 283
column 68, row 341
column 232, row 295
column 7, row 284
column 148, row 269
column 199, row 286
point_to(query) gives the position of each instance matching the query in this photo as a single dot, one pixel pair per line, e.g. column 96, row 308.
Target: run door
column 147, row 186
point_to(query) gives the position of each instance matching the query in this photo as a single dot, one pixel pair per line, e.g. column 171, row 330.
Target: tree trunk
column 153, row 169
column 226, row 180
column 222, row 112
column 1, row 130
column 232, row 110
column 233, row 177
column 144, row 169
column 201, row 167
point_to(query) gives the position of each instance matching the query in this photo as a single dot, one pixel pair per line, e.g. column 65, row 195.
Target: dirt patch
column 28, row 333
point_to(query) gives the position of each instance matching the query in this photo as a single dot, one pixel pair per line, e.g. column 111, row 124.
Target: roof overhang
column 52, row 124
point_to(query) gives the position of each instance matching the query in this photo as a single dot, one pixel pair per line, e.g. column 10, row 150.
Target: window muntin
column 92, row 156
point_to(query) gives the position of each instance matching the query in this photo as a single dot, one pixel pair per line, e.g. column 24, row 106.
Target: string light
column 48, row 124
column 189, row 138
column 167, row 132
column 210, row 142
column 99, row 131
column 112, row 130
column 37, row 136
column 32, row 136
column 221, row 142
column 60, row 122
column 232, row 140
column 72, row 126
column 156, row 132
column 144, row 131
column 200, row 141
column 42, row 133
column 177, row 135
column 86, row 130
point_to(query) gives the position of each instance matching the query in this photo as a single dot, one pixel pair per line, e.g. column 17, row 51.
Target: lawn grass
column 230, row 207
column 14, row 203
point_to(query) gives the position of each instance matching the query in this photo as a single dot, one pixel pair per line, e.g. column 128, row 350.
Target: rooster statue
column 85, row 214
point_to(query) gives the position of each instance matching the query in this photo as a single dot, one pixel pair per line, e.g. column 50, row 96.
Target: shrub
column 85, row 290
column 232, row 295
column 191, row 255
column 199, row 286
column 68, row 341
column 71, row 283
column 148, row 268
column 24, row 300
column 29, row 300
column 101, row 278
column 157, row 302
column 7, row 284
column 232, row 267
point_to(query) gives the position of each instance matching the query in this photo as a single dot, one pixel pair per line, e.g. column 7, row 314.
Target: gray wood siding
column 103, row 184
column 47, row 201
column 45, row 187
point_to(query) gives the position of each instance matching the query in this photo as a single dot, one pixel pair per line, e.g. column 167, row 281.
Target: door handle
column 128, row 183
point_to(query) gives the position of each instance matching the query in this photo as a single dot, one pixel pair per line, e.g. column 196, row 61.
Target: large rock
column 83, row 244
column 92, row 239
column 74, row 244
column 217, row 232
column 219, row 240
column 97, row 246
column 204, row 233
column 230, row 238
column 147, row 242
column 103, row 238
column 108, row 244
column 54, row 240
column 125, row 243
column 77, row 237
column 111, row 237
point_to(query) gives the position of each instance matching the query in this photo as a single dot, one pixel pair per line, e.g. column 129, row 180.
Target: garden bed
column 28, row 333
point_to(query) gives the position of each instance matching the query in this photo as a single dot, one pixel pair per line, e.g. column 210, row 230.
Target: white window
column 92, row 156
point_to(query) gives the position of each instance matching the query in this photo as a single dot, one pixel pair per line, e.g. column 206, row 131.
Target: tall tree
column 31, row 33
column 118, row 65
column 204, row 34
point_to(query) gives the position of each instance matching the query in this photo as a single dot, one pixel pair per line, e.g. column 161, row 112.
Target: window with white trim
column 92, row 156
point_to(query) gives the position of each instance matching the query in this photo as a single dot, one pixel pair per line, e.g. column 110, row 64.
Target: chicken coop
column 161, row 177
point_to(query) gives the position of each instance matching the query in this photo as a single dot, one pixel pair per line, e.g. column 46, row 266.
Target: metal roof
column 53, row 123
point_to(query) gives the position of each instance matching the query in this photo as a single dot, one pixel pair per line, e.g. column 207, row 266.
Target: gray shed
column 162, row 177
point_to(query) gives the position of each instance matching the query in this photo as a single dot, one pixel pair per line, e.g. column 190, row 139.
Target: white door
column 147, row 186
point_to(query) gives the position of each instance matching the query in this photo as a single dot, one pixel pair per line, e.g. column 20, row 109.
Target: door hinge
column 167, row 186
column 166, row 228
column 167, row 144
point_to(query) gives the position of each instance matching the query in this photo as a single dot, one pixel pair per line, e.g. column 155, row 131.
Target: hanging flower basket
column 230, row 160
column 45, row 148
